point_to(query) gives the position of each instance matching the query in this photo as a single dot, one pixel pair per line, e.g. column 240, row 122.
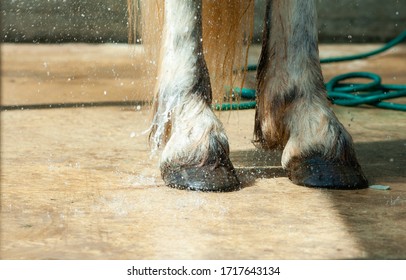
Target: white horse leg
column 293, row 111
column 195, row 154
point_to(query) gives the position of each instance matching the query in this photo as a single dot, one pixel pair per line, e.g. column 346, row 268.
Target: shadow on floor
column 377, row 219
column 255, row 164
column 383, row 161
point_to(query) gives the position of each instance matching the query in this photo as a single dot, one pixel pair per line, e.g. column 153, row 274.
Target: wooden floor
column 81, row 183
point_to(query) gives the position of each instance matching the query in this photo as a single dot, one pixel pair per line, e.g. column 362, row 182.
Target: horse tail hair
column 227, row 33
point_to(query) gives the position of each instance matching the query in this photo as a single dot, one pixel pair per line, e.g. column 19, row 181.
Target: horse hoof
column 318, row 172
column 220, row 177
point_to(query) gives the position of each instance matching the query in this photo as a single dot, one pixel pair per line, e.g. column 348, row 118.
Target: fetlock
column 196, row 156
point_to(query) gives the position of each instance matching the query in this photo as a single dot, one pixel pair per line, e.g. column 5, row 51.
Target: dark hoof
column 220, row 177
column 318, row 172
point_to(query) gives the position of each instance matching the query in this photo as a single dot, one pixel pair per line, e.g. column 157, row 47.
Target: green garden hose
column 345, row 94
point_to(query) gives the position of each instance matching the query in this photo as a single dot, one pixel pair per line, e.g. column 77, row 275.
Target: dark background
column 58, row 21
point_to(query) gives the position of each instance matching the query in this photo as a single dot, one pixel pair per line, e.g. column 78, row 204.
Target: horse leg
column 196, row 150
column 293, row 111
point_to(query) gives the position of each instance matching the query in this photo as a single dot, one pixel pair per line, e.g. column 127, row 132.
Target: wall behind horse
column 106, row 21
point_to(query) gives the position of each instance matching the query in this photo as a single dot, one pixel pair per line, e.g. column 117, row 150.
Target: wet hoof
column 316, row 171
column 220, row 177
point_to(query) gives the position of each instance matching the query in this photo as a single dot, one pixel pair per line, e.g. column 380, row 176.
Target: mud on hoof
column 319, row 172
column 212, row 177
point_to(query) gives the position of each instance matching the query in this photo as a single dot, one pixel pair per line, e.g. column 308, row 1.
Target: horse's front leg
column 196, row 150
column 293, row 111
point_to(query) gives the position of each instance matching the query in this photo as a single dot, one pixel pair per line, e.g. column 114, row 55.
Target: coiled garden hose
column 345, row 94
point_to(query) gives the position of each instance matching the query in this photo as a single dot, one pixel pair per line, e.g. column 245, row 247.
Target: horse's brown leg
column 293, row 112
column 196, row 151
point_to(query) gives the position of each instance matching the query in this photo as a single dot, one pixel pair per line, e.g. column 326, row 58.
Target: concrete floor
column 81, row 183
